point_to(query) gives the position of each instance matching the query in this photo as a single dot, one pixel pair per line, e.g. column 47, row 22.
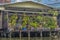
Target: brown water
column 32, row 38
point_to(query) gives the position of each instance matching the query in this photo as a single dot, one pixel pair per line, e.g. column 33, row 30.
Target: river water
column 32, row 38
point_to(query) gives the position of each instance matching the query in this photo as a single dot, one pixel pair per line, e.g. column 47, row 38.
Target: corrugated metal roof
column 22, row 1
column 27, row 1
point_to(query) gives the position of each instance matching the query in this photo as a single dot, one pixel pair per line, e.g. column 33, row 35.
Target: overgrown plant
column 12, row 20
column 25, row 20
column 54, row 13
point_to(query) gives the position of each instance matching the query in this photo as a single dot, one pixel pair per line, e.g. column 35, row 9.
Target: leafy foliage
column 54, row 13
column 12, row 20
column 35, row 21
column 34, row 24
column 50, row 22
column 25, row 20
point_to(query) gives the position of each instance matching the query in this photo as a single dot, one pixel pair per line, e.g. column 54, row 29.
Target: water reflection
column 32, row 38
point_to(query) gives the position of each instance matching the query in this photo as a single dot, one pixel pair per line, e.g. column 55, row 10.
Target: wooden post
column 28, row 30
column 28, row 34
column 1, row 19
column 41, row 34
column 8, row 26
column 20, row 34
column 58, row 34
column 41, row 31
column 20, row 31
column 50, row 34
column 1, row 24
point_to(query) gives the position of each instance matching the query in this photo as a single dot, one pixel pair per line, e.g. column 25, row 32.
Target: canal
column 32, row 38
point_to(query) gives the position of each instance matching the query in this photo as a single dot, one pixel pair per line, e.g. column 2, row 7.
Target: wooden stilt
column 50, row 35
column 28, row 35
column 20, row 34
column 41, row 34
